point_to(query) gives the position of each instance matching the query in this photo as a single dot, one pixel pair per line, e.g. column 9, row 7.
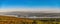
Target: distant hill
column 30, row 14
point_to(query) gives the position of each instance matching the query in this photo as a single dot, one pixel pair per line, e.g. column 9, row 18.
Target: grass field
column 12, row 20
column 15, row 20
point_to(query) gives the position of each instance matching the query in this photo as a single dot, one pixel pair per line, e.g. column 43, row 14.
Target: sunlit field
column 15, row 20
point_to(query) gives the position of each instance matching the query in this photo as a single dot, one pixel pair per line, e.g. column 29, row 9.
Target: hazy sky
column 30, row 5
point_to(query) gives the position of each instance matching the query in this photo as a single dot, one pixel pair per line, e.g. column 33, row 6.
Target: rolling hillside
column 15, row 20
column 12, row 20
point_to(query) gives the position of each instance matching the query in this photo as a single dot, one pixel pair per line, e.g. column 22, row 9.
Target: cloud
column 32, row 10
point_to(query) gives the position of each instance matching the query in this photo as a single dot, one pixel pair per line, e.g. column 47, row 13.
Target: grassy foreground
column 12, row 20
column 15, row 20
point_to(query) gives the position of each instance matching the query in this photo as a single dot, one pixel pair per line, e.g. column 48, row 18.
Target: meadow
column 15, row 20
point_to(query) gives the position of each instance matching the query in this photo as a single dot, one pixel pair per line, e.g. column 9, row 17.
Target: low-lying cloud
column 32, row 10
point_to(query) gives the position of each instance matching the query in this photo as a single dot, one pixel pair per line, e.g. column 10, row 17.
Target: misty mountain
column 30, row 13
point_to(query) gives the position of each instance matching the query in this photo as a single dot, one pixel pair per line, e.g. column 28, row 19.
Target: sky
column 30, row 5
